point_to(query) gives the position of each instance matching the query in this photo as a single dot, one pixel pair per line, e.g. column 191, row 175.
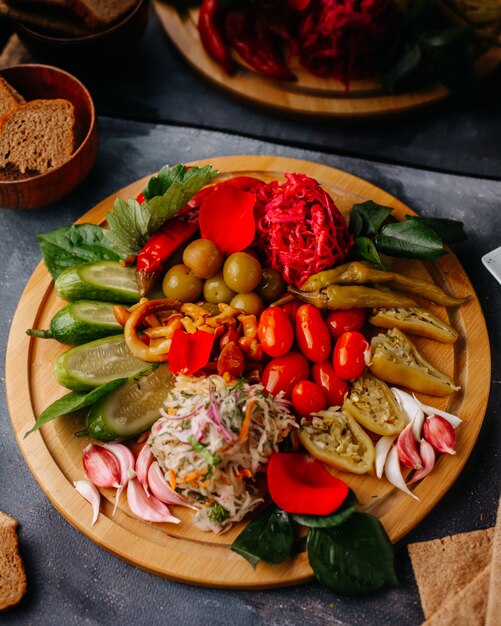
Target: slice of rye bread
column 12, row 575
column 443, row 566
column 37, row 135
column 99, row 14
column 467, row 607
column 493, row 617
column 44, row 20
column 9, row 98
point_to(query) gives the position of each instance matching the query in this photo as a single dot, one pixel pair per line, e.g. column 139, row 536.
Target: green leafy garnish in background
column 131, row 223
column 72, row 245
column 410, row 239
column 74, row 401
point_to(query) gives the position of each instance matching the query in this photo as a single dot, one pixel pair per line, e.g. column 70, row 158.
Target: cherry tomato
column 282, row 373
column 140, row 198
column 230, row 335
column 308, row 398
column 351, row 355
column 340, row 322
column 291, row 309
column 333, row 387
column 231, row 361
column 312, row 333
column 275, row 331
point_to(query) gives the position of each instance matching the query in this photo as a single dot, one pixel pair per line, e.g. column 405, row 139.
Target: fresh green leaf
column 73, row 245
column 75, row 401
column 366, row 218
column 401, row 67
column 131, row 224
column 354, row 558
column 439, row 37
column 450, row 231
column 267, row 538
column 409, row 239
column 365, row 249
column 339, row 516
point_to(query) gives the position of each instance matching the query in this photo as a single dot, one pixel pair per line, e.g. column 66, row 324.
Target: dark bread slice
column 45, row 20
column 9, row 98
column 494, row 596
column 99, row 14
column 37, row 136
column 12, row 575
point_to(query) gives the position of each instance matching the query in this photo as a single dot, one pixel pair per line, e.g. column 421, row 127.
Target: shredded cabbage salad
column 213, row 439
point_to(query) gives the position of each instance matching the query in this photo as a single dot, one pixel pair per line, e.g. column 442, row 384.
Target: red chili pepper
column 255, row 44
column 211, row 34
column 298, row 484
column 189, row 352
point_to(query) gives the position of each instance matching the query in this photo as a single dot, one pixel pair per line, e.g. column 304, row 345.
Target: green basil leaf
column 267, row 538
column 73, row 245
column 401, row 67
column 366, row 218
column 353, row 558
column 73, row 402
column 450, row 231
column 365, row 249
column 439, row 37
column 334, row 519
column 409, row 239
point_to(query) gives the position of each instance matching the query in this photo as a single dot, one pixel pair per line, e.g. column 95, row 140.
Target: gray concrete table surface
column 73, row 581
column 153, row 83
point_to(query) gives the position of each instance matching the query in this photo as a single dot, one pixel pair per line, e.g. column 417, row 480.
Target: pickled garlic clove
column 161, row 489
column 382, row 448
column 88, row 491
column 427, row 454
column 101, row 466
column 412, row 411
column 394, row 473
column 453, row 420
column 143, row 462
column 147, row 508
column 439, row 432
column 407, row 449
column 126, row 461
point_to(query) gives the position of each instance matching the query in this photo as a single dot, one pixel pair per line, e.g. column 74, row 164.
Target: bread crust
column 13, row 583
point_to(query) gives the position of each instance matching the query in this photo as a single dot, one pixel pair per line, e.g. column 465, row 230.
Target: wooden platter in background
column 310, row 95
column 183, row 552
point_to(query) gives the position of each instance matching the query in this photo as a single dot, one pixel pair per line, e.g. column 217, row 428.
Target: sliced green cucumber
column 80, row 322
column 106, row 281
column 132, row 408
column 85, row 367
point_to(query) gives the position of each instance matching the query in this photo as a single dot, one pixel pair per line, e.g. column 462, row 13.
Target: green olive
column 181, row 283
column 242, row 272
column 216, row 290
column 272, row 285
column 203, row 258
column 251, row 303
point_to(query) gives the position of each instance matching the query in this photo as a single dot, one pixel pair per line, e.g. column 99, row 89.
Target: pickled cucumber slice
column 85, row 367
column 132, row 408
column 104, row 281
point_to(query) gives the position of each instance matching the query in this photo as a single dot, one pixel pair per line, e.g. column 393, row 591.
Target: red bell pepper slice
column 189, row 352
column 227, row 219
column 299, row 484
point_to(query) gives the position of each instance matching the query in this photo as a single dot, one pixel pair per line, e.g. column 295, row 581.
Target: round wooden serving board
column 181, row 551
column 309, row 95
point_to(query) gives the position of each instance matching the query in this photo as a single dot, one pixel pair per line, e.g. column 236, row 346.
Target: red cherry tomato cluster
column 304, row 365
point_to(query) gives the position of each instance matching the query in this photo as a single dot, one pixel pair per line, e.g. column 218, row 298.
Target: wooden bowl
column 106, row 47
column 42, row 81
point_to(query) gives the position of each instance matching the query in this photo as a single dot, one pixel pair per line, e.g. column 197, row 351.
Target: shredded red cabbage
column 299, row 229
column 346, row 39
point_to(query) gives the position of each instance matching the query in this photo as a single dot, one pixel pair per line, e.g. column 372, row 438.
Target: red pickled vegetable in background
column 298, row 484
column 227, row 219
column 299, row 229
column 189, row 352
column 346, row 39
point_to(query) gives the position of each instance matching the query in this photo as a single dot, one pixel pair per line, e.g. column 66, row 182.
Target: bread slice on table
column 12, row 575
column 9, row 97
column 493, row 617
column 443, row 566
column 37, row 136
